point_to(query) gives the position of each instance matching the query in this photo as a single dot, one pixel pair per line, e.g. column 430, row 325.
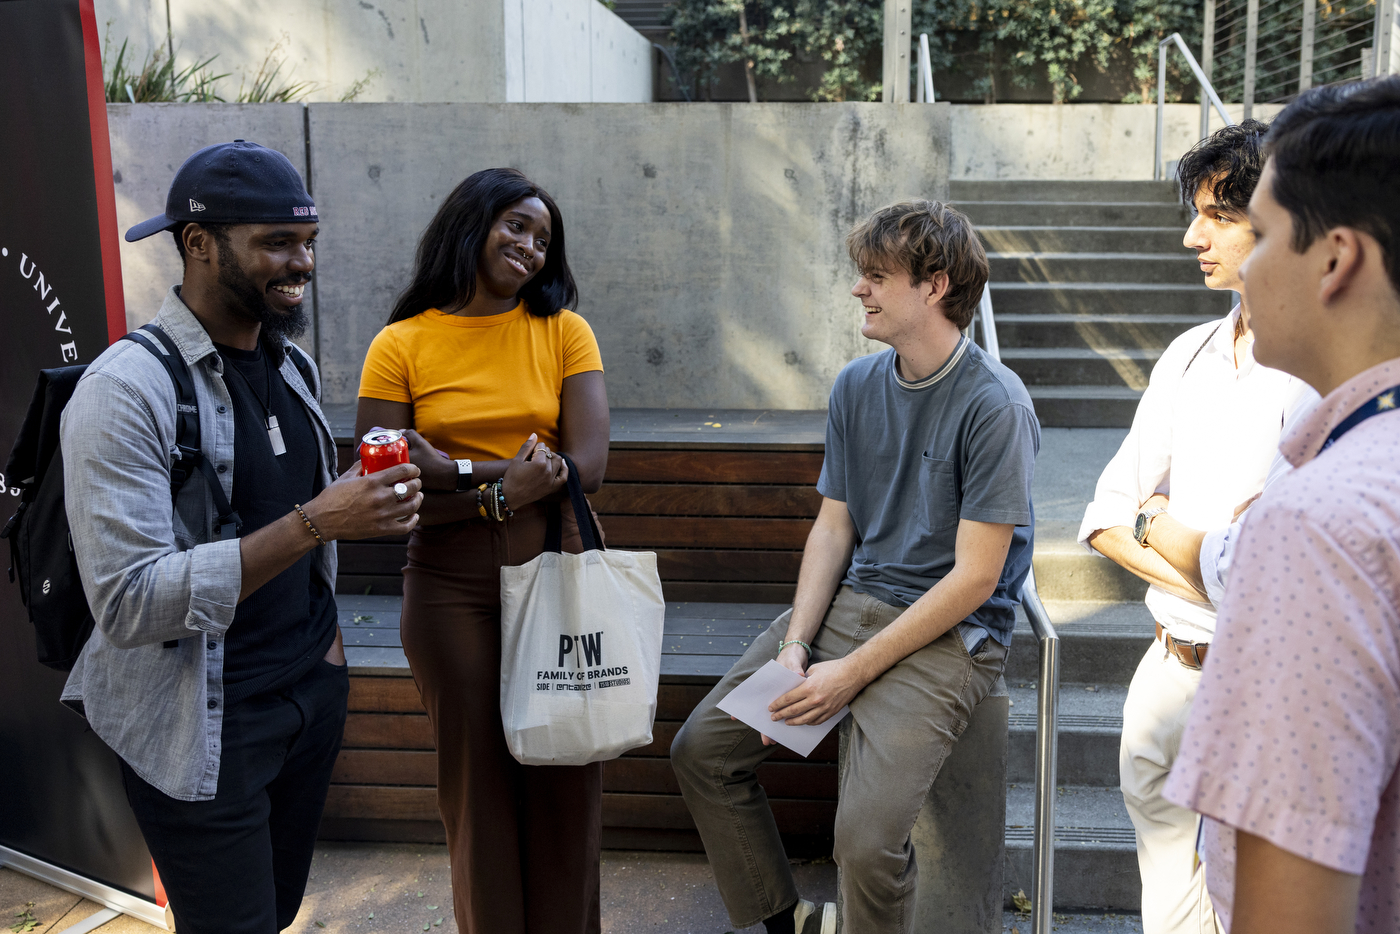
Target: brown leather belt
column 1190, row 654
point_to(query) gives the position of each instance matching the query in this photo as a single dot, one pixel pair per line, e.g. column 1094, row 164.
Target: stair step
column 1101, row 642
column 1107, row 298
column 1090, row 728
column 1081, row 366
column 1094, row 331
column 1062, row 190
column 1095, row 847
column 1145, row 268
column 1056, row 239
column 1064, row 571
column 1074, row 213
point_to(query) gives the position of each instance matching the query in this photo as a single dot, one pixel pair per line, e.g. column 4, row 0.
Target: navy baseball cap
column 233, row 183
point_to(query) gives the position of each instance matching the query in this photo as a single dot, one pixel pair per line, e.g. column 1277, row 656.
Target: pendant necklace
column 274, row 433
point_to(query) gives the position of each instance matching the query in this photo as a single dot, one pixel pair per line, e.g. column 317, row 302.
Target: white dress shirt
column 1205, row 434
column 1218, row 547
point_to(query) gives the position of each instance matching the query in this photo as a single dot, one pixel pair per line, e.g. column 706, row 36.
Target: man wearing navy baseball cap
column 215, row 669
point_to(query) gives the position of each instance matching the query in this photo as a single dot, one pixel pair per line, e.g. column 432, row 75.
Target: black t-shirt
column 288, row 624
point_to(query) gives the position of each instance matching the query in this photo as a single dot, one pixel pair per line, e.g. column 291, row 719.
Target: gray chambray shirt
column 150, row 570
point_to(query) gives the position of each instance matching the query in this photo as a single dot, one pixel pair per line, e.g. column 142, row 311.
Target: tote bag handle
column 587, row 529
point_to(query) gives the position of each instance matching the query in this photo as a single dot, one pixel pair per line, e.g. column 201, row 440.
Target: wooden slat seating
column 728, row 528
column 383, row 784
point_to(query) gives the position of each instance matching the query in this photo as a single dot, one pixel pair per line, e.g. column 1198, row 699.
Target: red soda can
column 382, row 448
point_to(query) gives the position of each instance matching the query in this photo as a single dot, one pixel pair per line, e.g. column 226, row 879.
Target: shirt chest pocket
column 938, row 494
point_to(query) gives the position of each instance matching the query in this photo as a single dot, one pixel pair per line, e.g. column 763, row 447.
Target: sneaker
column 807, row 918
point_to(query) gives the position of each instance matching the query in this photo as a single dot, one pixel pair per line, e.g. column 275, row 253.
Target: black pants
column 238, row 864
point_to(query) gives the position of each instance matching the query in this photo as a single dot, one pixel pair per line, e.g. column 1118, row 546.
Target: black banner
column 61, row 798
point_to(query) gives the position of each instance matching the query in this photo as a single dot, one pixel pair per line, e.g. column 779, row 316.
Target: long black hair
column 444, row 271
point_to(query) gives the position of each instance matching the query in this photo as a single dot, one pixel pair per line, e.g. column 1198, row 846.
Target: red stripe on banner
column 161, row 899
column 102, row 175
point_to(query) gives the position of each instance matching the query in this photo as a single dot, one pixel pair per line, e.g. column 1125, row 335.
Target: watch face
column 1140, row 527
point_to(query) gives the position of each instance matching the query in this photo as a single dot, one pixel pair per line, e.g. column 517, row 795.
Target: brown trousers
column 524, row 840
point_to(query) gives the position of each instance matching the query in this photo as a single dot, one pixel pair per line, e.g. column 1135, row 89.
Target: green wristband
column 787, row 642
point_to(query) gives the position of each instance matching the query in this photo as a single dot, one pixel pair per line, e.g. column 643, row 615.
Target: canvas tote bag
column 580, row 647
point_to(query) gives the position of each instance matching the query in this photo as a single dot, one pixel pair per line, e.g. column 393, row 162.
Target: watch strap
column 464, row 475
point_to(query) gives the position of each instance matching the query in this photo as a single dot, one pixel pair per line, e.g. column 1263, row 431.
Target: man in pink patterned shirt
column 1293, row 745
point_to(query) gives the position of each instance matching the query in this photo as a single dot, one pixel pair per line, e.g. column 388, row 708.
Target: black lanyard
column 274, row 432
column 1387, row 400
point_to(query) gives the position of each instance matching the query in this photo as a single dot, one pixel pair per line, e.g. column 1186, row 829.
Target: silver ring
column 400, row 492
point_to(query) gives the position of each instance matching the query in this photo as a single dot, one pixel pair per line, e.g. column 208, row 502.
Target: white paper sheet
column 749, row 703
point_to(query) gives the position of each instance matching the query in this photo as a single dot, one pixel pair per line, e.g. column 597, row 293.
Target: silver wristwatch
column 1143, row 525
column 464, row 474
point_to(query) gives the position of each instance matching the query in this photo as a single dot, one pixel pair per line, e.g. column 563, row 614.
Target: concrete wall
column 1078, row 141
column 422, row 50
column 573, row 50
column 707, row 239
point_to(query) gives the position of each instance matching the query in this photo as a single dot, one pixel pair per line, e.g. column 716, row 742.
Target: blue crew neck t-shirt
column 910, row 460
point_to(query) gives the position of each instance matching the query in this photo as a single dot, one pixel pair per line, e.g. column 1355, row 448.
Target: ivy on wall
column 1025, row 40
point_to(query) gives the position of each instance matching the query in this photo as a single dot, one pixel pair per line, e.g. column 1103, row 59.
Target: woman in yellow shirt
column 479, row 353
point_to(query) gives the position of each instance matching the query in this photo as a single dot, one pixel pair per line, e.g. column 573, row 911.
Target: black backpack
column 41, row 547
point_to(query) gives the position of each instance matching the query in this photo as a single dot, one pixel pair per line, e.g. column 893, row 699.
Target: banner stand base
column 113, row 898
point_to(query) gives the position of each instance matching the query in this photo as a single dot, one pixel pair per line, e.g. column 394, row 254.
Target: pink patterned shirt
column 1294, row 735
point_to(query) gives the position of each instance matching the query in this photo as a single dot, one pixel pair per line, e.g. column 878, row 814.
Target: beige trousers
column 902, row 727
column 1174, row 899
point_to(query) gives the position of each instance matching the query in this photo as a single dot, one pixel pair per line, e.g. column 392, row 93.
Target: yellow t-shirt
column 480, row 386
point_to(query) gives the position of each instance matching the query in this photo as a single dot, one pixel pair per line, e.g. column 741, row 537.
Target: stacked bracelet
column 491, row 501
column 302, row 512
column 787, row 642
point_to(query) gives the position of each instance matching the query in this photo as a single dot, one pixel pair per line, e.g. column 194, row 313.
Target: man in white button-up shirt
column 1204, row 436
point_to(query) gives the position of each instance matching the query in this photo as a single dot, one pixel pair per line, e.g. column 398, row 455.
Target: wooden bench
column 726, row 500
column 727, row 509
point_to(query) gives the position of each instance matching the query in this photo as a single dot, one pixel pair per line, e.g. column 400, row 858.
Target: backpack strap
column 302, row 362
column 189, row 454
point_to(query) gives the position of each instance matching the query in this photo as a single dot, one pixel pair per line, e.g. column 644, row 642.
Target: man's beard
column 275, row 324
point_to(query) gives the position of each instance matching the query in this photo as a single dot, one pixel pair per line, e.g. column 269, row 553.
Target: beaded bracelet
column 504, row 510
column 302, row 512
column 787, row 642
column 491, row 501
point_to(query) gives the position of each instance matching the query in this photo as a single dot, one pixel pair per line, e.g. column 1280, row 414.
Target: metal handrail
column 924, row 93
column 1047, row 731
column 1206, row 88
column 675, row 72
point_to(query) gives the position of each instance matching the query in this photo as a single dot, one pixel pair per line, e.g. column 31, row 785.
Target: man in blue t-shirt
column 904, row 607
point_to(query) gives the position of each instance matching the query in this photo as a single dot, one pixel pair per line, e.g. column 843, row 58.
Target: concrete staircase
column 1089, row 283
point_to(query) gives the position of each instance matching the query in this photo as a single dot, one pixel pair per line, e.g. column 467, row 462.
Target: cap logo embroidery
column 195, row 205
column 304, row 212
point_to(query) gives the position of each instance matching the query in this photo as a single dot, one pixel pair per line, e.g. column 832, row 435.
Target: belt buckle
column 1188, row 650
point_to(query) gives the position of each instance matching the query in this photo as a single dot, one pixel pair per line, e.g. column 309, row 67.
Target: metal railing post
column 1047, row 747
column 895, row 86
column 1305, row 45
column 1047, row 724
column 989, row 325
column 1251, row 54
column 1386, row 42
column 1207, row 90
column 924, row 94
column 1208, row 60
column 1161, row 110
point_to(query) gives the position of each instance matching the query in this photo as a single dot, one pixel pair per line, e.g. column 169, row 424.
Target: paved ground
column 403, row 888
